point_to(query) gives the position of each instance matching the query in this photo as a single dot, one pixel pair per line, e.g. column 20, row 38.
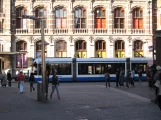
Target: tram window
column 98, row 68
column 137, row 66
column 62, row 69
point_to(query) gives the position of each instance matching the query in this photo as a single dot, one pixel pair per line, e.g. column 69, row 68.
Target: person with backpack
column 107, row 78
column 32, row 80
column 55, row 84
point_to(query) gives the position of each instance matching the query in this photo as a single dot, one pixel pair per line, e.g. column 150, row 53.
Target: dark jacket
column 32, row 79
column 9, row 76
column 55, row 80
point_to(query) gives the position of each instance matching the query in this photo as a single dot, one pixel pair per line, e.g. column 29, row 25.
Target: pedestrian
column 132, row 77
column 55, row 84
column 117, row 77
column 140, row 76
column 121, row 79
column 9, row 78
column 107, row 78
column 156, row 77
column 32, row 80
column 3, row 78
column 21, row 79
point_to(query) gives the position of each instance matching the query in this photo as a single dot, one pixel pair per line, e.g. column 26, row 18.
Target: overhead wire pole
column 12, row 31
column 43, row 55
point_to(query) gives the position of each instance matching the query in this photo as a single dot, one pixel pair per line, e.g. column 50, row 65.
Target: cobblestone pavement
column 80, row 101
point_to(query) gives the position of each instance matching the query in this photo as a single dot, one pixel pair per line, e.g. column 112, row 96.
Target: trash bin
column 39, row 91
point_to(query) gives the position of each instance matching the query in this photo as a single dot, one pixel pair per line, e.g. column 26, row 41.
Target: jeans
column 53, row 88
column 21, row 86
column 32, row 86
column 108, row 81
column 140, row 79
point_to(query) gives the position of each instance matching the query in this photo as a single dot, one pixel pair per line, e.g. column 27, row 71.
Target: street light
column 43, row 54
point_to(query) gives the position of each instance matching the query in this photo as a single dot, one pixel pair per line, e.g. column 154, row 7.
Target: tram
column 91, row 69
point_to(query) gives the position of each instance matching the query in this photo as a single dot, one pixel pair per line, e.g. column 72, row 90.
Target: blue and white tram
column 139, row 63
column 93, row 69
column 63, row 67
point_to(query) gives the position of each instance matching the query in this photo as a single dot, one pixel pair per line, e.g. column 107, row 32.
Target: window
column 1, row 6
column 80, row 18
column 61, row 48
column 98, row 68
column 39, row 49
column 120, row 49
column 138, row 45
column 1, row 26
column 60, row 18
column 100, row 17
column 81, row 49
column 1, row 47
column 137, row 18
column 100, row 47
column 21, row 59
column 119, row 18
column 138, row 48
column 20, row 22
column 80, row 45
column 40, row 13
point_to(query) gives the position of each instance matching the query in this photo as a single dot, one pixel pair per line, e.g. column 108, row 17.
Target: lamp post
column 43, row 55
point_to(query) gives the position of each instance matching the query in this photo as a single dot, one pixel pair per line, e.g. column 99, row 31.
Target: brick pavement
column 80, row 101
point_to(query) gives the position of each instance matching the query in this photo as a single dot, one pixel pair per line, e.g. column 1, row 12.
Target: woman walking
column 107, row 79
column 32, row 80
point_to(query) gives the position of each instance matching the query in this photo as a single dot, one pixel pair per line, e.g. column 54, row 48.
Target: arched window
column 100, row 17
column 137, row 18
column 20, row 22
column 40, row 12
column 39, row 49
column 100, row 47
column 60, row 18
column 119, row 20
column 119, row 49
column 61, row 48
column 138, row 48
column 80, row 18
column 81, row 49
column 1, row 6
column 21, row 59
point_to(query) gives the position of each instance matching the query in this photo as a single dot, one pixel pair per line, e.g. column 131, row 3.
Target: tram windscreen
column 98, row 68
column 62, row 69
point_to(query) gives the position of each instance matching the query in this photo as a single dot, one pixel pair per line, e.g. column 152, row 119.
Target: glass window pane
column 76, row 13
column 77, row 46
column 121, row 23
column 45, row 13
column 80, row 12
column 58, row 24
column 118, row 13
column 116, row 22
column 123, row 46
column 84, row 13
column 64, row 23
column 100, row 45
column 141, row 14
column 65, row 13
column 98, row 13
column 61, row 13
column 137, row 13
column 44, row 22
column 104, row 45
column 84, row 45
column 77, row 23
column 102, row 13
column 57, row 13
column 83, row 23
column 122, row 13
column 65, row 46
column 41, row 13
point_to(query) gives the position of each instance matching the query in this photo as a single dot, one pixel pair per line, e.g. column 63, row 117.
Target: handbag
column 157, row 83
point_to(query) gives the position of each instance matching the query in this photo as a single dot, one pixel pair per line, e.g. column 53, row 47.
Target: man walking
column 117, row 77
column 55, row 84
column 9, row 78
column 21, row 79
column 107, row 78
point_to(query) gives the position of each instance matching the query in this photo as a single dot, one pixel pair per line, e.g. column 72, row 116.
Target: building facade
column 78, row 28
